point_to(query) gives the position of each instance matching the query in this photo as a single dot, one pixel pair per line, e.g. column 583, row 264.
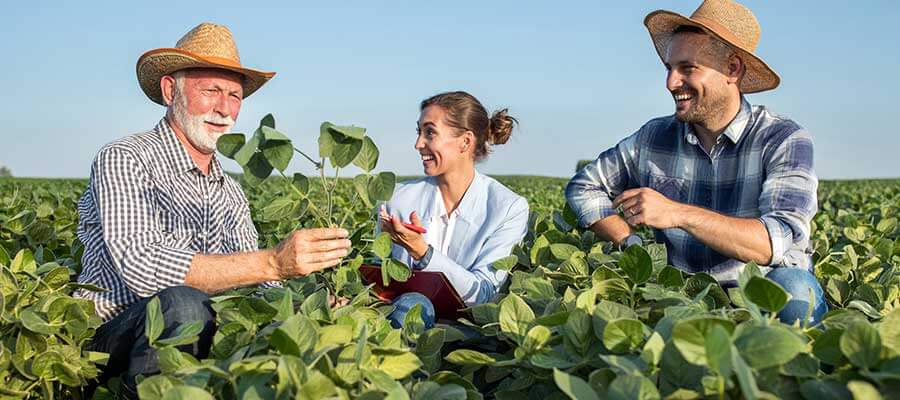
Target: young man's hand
column 309, row 250
column 645, row 206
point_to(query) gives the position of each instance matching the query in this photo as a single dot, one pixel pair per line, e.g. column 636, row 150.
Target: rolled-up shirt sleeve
column 787, row 202
column 148, row 258
column 591, row 191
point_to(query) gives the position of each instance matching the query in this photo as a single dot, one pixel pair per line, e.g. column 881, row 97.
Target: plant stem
column 318, row 165
column 316, row 212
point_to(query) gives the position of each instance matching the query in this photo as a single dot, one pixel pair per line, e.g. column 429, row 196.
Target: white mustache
column 217, row 119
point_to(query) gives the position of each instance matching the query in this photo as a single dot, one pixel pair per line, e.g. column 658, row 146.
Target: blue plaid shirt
column 760, row 167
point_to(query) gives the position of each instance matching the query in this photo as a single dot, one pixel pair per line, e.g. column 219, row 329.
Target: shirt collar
column 467, row 206
column 179, row 159
column 733, row 131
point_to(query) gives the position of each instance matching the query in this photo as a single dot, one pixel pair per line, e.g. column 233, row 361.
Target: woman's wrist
column 418, row 250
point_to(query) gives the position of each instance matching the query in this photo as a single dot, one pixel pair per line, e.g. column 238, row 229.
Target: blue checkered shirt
column 760, row 167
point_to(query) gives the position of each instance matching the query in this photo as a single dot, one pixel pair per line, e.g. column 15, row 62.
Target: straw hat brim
column 155, row 64
column 758, row 77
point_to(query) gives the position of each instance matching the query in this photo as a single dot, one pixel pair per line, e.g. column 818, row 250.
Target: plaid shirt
column 147, row 210
column 760, row 167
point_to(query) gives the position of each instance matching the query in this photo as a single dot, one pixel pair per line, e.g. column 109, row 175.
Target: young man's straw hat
column 728, row 21
column 206, row 46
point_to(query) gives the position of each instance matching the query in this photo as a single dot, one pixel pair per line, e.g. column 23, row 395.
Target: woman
column 471, row 220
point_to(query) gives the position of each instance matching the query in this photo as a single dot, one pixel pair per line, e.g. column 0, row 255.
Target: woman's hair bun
column 500, row 127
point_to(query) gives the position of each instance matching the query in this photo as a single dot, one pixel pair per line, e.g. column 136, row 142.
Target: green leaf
column 268, row 120
column 326, row 140
column 278, row 154
column 573, row 386
column 361, row 184
column 246, row 152
column 381, row 186
column 24, row 262
column 637, row 264
column 184, row 392
column 745, row 377
column 562, row 251
column 154, row 387
column 355, row 132
column 861, row 344
column 863, row 390
column 257, row 168
column 396, row 270
column 768, row 346
column 184, row 334
column 827, row 347
column 623, row 335
column 367, row 158
column 506, row 263
column 401, row 365
column 690, row 335
column 229, row 144
column 889, row 329
column 413, row 325
column 153, row 322
column 631, row 387
column 718, row 351
column 670, row 277
column 295, row 336
column 887, row 225
column 825, row 390
column 536, row 338
column 577, row 330
column 766, row 294
column 469, row 357
column 382, row 246
column 515, row 317
column 345, row 152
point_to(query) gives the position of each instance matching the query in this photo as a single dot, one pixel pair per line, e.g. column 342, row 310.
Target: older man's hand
column 309, row 250
column 645, row 206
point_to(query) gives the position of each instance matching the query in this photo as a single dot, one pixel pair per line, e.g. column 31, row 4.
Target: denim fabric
column 128, row 347
column 798, row 282
column 406, row 302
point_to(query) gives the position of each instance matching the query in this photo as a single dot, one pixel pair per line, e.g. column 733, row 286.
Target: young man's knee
column 800, row 284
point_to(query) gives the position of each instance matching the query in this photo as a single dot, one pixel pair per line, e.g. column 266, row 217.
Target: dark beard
column 706, row 109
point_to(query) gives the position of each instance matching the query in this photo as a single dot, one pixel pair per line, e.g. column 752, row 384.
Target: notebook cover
column 432, row 284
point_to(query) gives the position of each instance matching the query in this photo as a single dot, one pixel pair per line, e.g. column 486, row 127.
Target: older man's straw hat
column 206, row 46
column 728, row 21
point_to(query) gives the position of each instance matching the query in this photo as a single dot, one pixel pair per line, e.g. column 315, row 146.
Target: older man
column 721, row 182
column 161, row 219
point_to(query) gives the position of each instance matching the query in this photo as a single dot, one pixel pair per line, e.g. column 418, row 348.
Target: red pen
column 414, row 228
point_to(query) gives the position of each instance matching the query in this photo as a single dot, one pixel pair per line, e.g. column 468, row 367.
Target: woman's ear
column 468, row 140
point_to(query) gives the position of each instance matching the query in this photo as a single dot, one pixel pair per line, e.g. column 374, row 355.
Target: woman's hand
column 410, row 240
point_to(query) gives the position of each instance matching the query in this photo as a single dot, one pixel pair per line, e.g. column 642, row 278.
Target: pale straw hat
column 206, row 46
column 728, row 21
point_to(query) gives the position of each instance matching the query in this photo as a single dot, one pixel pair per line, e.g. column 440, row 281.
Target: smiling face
column 442, row 147
column 204, row 105
column 702, row 77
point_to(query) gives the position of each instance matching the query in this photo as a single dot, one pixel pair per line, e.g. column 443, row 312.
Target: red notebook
column 434, row 285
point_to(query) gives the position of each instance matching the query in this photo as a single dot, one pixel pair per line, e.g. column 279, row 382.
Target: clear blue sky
column 578, row 75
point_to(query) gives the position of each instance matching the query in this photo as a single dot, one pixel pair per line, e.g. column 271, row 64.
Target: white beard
column 194, row 126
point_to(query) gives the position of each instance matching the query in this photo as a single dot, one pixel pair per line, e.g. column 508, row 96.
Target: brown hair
column 465, row 113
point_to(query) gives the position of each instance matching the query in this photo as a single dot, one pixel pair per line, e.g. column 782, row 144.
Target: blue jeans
column 405, row 302
column 129, row 349
column 798, row 282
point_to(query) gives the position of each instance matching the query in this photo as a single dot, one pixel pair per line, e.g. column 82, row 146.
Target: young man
column 161, row 219
column 721, row 182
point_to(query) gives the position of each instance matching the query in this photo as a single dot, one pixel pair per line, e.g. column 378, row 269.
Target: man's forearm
column 744, row 239
column 612, row 228
column 213, row 273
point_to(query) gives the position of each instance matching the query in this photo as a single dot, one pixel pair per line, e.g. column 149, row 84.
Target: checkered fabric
column 761, row 167
column 147, row 210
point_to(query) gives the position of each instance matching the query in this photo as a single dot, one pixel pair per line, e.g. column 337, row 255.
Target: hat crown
column 210, row 40
column 733, row 17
